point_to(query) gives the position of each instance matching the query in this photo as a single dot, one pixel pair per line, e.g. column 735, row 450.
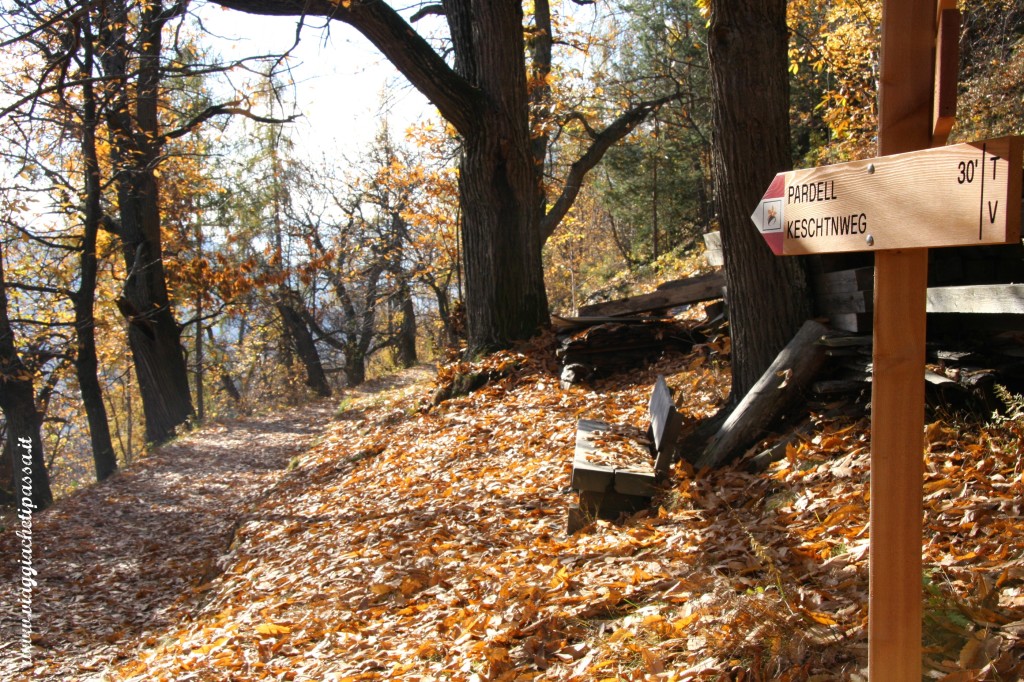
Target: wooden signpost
column 899, row 206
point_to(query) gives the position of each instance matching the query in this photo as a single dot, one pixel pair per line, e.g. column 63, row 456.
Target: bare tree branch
column 226, row 109
column 427, row 10
column 602, row 142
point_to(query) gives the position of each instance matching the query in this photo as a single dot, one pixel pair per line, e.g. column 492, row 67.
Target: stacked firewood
column 594, row 347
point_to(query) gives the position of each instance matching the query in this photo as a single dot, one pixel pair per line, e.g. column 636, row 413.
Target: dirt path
column 121, row 560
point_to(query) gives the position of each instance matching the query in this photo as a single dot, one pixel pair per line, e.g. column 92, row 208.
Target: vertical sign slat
column 897, row 396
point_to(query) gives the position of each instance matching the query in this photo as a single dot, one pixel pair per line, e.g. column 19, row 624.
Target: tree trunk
column 86, row 363
column 200, row 363
column 355, row 368
column 153, row 333
column 499, row 185
column 768, row 296
column 405, row 343
column 444, row 311
column 229, row 386
column 24, row 446
column 297, row 330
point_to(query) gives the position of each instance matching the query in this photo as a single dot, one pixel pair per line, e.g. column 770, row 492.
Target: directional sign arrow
column 959, row 195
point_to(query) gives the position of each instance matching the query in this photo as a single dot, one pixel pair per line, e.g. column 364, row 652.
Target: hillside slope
column 428, row 544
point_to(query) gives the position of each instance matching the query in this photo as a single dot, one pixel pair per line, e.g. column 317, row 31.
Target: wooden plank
column 692, row 290
column 781, row 384
column 897, row 396
column 856, row 323
column 847, row 341
column 987, row 298
column 562, row 324
column 947, row 70
column 586, row 475
column 990, row 299
column 845, row 281
column 665, row 425
column 957, row 195
column 849, row 302
column 636, row 483
column 713, row 253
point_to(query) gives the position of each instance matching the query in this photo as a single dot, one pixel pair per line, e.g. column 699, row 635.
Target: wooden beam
column 984, row 298
column 897, row 398
column 782, row 384
column 897, row 424
column 669, row 295
column 851, row 302
column 947, row 72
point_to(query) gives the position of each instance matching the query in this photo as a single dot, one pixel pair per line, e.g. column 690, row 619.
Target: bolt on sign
column 960, row 195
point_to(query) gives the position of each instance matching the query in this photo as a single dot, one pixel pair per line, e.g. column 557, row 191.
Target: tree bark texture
column 768, row 296
column 153, row 333
column 499, row 186
column 17, row 401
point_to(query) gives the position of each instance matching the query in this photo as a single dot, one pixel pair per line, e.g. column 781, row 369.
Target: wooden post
column 897, row 401
column 947, row 71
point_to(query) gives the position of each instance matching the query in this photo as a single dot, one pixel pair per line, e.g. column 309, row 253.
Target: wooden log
column 669, row 295
column 775, row 392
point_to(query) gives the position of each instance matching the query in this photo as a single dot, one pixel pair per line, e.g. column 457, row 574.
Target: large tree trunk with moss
column 768, row 296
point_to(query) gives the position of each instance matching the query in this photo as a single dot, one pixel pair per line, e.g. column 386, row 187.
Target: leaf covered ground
column 428, row 543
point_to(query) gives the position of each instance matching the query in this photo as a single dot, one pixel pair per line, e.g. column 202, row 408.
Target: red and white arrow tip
column 768, row 216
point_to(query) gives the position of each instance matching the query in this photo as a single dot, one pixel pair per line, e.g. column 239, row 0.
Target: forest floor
column 409, row 541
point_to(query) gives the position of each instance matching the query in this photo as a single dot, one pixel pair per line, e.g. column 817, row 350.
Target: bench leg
column 607, row 506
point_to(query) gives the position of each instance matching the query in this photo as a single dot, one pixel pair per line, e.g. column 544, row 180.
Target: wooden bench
column 616, row 470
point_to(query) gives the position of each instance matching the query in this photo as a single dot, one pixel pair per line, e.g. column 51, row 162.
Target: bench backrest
column 665, row 425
